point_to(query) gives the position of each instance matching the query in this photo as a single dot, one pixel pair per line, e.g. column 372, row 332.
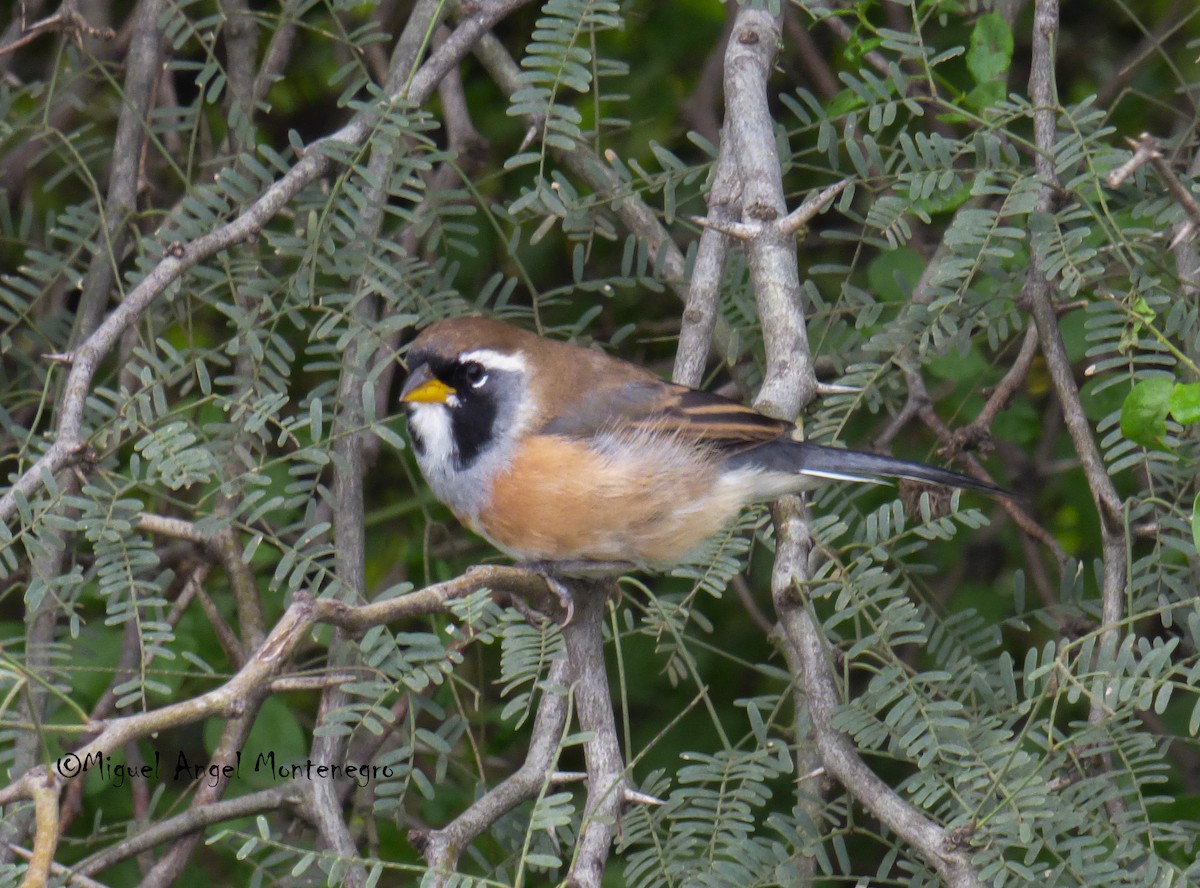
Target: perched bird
column 557, row 453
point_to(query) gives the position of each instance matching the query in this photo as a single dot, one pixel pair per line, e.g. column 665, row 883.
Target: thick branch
column 583, row 638
column 771, row 254
column 808, row 657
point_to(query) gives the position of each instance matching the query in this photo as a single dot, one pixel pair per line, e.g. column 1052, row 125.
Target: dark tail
column 836, row 464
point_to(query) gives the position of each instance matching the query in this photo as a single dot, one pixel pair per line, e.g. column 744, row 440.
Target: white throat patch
column 431, row 422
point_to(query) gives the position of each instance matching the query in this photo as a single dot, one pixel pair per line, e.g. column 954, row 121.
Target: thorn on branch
column 789, row 225
column 833, row 388
column 739, row 230
column 67, row 357
column 174, row 249
column 633, row 797
column 803, row 214
column 811, row 775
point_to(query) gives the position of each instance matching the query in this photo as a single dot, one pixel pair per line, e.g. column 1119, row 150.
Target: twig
column 67, row 20
column 177, row 528
column 441, row 847
column 1148, row 150
column 703, row 304
column 979, row 429
column 1036, row 294
column 191, row 821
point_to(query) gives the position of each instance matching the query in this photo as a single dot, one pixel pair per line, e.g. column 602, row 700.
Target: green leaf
column 988, row 60
column 990, row 53
column 1144, row 413
column 1196, row 524
column 1184, row 403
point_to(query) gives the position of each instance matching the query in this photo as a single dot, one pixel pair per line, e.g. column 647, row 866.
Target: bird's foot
column 552, row 571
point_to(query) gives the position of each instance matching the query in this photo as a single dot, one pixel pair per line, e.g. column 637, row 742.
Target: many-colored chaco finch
column 557, row 453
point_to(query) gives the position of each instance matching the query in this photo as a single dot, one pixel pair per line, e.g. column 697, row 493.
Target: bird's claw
column 565, row 598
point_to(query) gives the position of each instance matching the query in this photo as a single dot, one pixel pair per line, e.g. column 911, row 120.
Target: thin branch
column 1036, row 294
column 278, row 50
column 1037, row 290
column 702, row 308
column 66, row 21
column 791, row 566
column 240, row 38
column 441, row 847
column 1148, row 150
column 192, row 821
column 137, row 97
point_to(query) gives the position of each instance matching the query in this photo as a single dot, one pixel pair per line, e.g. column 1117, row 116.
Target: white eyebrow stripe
column 494, row 360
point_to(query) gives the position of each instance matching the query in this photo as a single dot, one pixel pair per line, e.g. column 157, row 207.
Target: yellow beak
column 422, row 387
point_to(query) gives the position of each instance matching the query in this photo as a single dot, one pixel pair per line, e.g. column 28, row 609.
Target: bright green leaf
column 990, row 53
column 1196, row 523
column 1184, row 403
column 1144, row 413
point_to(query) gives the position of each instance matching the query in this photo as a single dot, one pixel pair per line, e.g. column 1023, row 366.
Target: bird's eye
column 474, row 374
